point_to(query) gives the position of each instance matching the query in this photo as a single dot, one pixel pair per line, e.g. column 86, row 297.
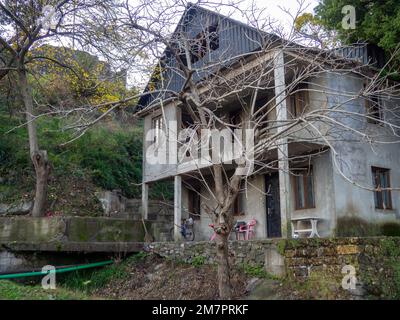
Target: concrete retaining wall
column 70, row 229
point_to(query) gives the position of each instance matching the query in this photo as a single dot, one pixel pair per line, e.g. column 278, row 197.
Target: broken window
column 304, row 188
column 205, row 41
column 381, row 180
column 299, row 100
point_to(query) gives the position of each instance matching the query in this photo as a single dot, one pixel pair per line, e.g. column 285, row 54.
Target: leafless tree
column 27, row 26
column 280, row 69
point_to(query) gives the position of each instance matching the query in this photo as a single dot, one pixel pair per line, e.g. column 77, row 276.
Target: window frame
column 378, row 195
column 239, row 203
column 299, row 101
column 204, row 42
column 304, row 181
column 194, row 196
column 373, row 106
column 157, row 127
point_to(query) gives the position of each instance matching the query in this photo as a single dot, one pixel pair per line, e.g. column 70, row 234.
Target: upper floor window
column 158, row 127
column 205, row 41
column 381, row 180
column 304, row 189
column 373, row 108
column 299, row 100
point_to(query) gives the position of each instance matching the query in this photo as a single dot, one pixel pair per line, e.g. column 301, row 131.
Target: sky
column 274, row 7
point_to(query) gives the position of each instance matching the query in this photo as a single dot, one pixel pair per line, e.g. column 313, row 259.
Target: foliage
column 198, row 261
column 110, row 155
column 85, row 79
column 89, row 280
column 138, row 257
column 311, row 27
column 255, row 270
column 377, row 22
column 381, row 270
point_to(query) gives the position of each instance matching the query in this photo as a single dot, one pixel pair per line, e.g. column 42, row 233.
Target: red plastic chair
column 248, row 229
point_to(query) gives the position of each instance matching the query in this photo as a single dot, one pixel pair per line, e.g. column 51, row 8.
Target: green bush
column 198, row 261
column 89, row 280
column 255, row 270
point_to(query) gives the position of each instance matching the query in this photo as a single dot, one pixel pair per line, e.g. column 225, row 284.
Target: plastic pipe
column 60, row 270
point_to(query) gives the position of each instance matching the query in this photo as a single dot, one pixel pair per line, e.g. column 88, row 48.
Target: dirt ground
column 157, row 278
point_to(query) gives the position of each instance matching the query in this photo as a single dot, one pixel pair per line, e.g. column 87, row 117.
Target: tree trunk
column 38, row 157
column 42, row 168
column 224, row 275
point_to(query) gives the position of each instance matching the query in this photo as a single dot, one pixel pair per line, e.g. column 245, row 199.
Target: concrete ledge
column 71, row 234
column 70, row 229
column 101, row 247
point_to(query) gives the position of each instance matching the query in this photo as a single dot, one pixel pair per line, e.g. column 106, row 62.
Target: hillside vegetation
column 107, row 157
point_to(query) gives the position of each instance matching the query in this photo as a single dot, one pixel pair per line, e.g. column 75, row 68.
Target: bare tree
column 261, row 82
column 28, row 26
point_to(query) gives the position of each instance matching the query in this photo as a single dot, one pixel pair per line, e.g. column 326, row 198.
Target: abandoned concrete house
column 331, row 191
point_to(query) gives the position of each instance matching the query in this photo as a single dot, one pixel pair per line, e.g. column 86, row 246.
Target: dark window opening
column 194, row 205
column 236, row 120
column 299, row 101
column 238, row 204
column 158, row 127
column 304, row 189
column 381, row 180
column 205, row 41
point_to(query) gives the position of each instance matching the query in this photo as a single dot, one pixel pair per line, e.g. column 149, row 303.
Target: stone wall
column 241, row 252
column 376, row 261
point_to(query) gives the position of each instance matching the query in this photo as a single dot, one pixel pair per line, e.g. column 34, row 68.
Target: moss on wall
column 380, row 268
column 356, row 227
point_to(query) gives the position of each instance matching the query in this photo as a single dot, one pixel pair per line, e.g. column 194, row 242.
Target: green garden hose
column 60, row 270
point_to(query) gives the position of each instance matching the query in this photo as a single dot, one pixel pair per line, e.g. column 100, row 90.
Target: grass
column 13, row 291
column 198, row 261
column 89, row 280
column 78, row 285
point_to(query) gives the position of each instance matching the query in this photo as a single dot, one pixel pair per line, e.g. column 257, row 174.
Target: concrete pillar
column 145, row 200
column 282, row 143
column 177, row 206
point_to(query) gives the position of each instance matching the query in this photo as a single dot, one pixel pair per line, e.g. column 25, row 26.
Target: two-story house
column 345, row 169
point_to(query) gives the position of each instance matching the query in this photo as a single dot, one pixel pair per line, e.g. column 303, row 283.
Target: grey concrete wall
column 152, row 172
column 69, row 229
column 254, row 204
column 324, row 195
column 356, row 158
